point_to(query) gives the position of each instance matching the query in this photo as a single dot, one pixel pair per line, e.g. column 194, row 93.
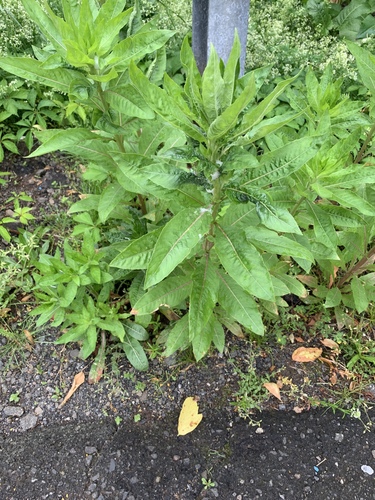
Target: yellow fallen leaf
column 78, row 380
column 273, row 389
column 189, row 417
column 306, row 354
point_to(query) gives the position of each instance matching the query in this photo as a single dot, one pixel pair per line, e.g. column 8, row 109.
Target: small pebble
column 339, row 437
column 367, row 469
column 90, row 450
column 13, row 411
column 28, row 422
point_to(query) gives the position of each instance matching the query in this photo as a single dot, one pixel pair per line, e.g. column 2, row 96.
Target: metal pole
column 214, row 22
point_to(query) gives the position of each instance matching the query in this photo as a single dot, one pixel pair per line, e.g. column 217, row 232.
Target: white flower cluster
column 18, row 32
column 282, row 34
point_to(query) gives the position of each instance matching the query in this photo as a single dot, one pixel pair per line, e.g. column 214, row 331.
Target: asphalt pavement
column 313, row 455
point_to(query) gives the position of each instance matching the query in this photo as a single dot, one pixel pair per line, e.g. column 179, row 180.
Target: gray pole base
column 215, row 21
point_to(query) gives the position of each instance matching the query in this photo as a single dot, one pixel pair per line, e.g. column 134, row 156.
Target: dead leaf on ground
column 30, row 340
column 4, row 311
column 306, row 354
column 189, row 417
column 333, row 378
column 331, row 344
column 25, row 298
column 298, row 409
column 273, row 389
column 78, row 380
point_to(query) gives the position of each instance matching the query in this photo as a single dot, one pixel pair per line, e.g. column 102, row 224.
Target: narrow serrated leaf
column 243, row 263
column 178, row 237
column 203, row 296
column 170, row 292
column 239, row 304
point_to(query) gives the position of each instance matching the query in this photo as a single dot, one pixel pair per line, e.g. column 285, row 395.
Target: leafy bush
column 226, row 195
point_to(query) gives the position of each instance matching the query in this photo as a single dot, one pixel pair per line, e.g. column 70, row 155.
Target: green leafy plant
column 75, row 292
column 216, row 190
column 18, row 214
column 353, row 20
column 333, row 195
column 213, row 252
column 14, row 397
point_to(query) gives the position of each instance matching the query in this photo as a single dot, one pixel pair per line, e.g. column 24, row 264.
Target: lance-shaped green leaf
column 212, row 86
column 178, row 237
column 281, row 162
column 231, row 72
column 271, row 242
column 351, row 177
column 359, row 294
column 203, row 296
column 266, row 127
column 169, row 292
column 239, row 304
column 135, row 47
column 243, row 263
column 46, row 22
column 366, row 65
column 127, row 100
column 218, row 338
column 114, row 326
column 256, row 114
column 193, row 83
column 294, row 286
column 343, row 217
column 333, row 298
column 324, row 230
column 109, row 199
column 135, row 331
column 31, row 69
column 229, row 117
column 277, row 219
column 163, row 104
column 62, row 140
column 201, row 342
column 178, row 337
column 135, row 353
column 138, row 253
column 106, row 31
column 352, row 200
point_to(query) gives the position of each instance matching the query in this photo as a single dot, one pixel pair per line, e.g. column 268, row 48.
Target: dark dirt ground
column 118, row 438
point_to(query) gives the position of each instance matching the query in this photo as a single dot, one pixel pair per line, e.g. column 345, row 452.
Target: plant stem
column 296, row 206
column 357, row 268
column 362, row 151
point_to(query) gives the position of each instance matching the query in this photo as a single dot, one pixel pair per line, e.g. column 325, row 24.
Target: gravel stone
column 28, row 422
column 13, row 411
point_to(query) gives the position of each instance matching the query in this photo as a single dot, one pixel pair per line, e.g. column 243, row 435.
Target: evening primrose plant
column 221, row 194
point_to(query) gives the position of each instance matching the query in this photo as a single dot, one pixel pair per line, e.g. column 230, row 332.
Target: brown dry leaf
column 29, row 337
column 4, row 311
column 78, row 380
column 273, row 389
column 306, row 354
column 299, row 339
column 298, row 409
column 310, row 281
column 26, row 298
column 333, row 378
column 331, row 344
column 329, row 362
